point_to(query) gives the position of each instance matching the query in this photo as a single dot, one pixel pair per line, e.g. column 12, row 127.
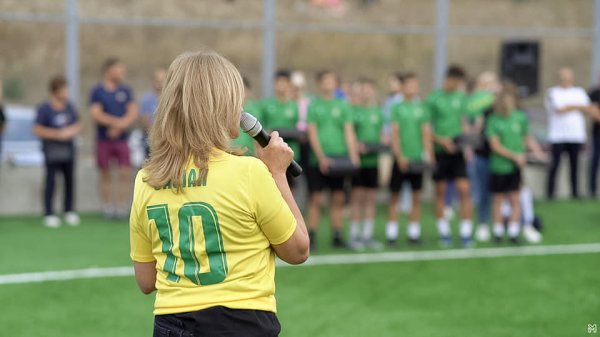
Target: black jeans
column 218, row 322
column 572, row 150
column 66, row 168
column 594, row 163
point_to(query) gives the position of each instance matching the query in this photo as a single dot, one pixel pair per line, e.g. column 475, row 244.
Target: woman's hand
column 277, row 155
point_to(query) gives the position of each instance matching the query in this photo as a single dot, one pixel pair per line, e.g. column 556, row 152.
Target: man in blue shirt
column 114, row 110
column 149, row 102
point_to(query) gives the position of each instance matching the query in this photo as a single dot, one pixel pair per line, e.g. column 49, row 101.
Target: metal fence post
column 269, row 50
column 596, row 50
column 441, row 42
column 72, row 48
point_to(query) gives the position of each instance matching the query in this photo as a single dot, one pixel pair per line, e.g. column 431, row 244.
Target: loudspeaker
column 519, row 62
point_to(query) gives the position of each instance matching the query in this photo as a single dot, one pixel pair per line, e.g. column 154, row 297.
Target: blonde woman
column 206, row 224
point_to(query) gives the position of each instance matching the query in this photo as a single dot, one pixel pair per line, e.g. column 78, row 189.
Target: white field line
column 432, row 255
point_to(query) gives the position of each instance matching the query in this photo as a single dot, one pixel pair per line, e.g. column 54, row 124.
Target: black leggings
column 66, row 168
column 594, row 161
column 557, row 150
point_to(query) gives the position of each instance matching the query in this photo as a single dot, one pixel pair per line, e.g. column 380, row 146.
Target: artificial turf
column 555, row 295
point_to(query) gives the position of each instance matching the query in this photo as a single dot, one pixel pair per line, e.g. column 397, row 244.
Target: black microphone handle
column 263, row 138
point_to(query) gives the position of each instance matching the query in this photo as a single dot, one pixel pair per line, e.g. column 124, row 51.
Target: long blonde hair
column 199, row 106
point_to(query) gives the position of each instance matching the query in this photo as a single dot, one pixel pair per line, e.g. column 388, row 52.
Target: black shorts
column 449, row 166
column 317, row 181
column 504, row 183
column 399, row 177
column 217, row 321
column 366, row 177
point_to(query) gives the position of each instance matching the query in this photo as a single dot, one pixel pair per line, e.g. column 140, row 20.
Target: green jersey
column 511, row 131
column 410, row 116
column 329, row 118
column 243, row 140
column 477, row 103
column 281, row 115
column 446, row 110
column 368, row 122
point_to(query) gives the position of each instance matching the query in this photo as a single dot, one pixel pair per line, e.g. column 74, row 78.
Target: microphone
column 250, row 125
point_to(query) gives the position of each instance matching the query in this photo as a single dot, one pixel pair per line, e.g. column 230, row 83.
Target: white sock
column 413, row 230
column 498, row 230
column 368, row 228
column 443, row 227
column 527, row 205
column 391, row 230
column 513, row 229
column 354, row 230
column 466, row 228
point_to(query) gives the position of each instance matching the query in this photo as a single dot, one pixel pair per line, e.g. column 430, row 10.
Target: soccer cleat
column 356, row 245
column 392, row 243
column 482, row 234
column 466, row 242
column 531, row 235
column 338, row 243
column 514, row 240
column 109, row 213
column 446, row 241
column 414, row 241
column 312, row 241
column 72, row 219
column 51, row 221
column 373, row 244
column 497, row 239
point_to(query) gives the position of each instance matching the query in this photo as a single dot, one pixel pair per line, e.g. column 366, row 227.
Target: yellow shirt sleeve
column 140, row 243
column 272, row 213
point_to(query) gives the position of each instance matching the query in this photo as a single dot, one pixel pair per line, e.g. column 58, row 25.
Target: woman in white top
column 566, row 105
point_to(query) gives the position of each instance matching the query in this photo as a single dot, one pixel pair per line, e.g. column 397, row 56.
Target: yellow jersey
column 212, row 241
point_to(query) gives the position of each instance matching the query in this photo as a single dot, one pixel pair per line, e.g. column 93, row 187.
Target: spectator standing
column 113, row 108
column 251, row 106
column 281, row 112
column 411, row 143
column 149, row 103
column 2, row 118
column 595, row 158
column 57, row 124
column 368, row 124
column 479, row 108
column 566, row 105
column 331, row 134
column 449, row 123
column 508, row 133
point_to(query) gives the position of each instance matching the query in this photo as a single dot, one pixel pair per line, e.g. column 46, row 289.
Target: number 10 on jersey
column 213, row 242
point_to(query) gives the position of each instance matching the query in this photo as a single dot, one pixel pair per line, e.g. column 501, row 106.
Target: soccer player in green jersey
column 368, row 125
column 478, row 109
column 411, row 143
column 244, row 141
column 330, row 134
column 447, row 110
column 281, row 112
column 508, row 134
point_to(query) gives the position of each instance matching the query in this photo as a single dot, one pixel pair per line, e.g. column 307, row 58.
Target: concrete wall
column 21, row 188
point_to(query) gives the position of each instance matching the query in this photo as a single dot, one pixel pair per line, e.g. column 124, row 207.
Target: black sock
column 337, row 235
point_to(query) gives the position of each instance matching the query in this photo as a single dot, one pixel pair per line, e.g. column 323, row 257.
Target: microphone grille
column 249, row 124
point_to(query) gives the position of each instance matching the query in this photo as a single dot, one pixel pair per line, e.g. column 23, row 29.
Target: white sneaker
column 482, row 234
column 51, row 221
column 356, row 245
column 72, row 219
column 448, row 213
column 531, row 235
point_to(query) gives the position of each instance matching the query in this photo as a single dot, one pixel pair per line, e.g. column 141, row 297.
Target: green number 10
column 213, row 242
